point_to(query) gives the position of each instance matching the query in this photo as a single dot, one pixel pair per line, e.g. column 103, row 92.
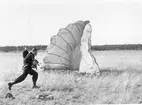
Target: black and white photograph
column 70, row 52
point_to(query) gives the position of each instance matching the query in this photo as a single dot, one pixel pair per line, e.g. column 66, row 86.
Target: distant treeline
column 94, row 47
column 117, row 47
column 21, row 48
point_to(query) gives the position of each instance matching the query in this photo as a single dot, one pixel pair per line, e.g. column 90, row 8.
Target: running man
column 27, row 69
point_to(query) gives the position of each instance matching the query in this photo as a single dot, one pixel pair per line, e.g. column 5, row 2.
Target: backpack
column 25, row 53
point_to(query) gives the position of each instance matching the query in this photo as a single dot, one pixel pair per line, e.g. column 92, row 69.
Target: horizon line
column 91, row 45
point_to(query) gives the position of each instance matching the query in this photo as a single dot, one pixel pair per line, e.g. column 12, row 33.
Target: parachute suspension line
column 71, row 35
column 60, row 48
column 77, row 27
column 60, row 60
column 59, row 56
column 66, row 42
column 81, row 25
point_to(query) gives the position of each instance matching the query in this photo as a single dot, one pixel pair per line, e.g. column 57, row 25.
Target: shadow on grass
column 116, row 72
column 108, row 71
column 103, row 72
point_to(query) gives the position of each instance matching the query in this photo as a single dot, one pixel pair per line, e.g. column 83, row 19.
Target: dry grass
column 120, row 82
column 112, row 87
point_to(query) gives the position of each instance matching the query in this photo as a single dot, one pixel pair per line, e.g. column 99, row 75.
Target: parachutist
column 27, row 69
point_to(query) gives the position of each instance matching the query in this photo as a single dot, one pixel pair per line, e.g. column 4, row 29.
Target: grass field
column 120, row 82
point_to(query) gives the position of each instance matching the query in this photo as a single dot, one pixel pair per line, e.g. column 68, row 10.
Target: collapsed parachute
column 64, row 49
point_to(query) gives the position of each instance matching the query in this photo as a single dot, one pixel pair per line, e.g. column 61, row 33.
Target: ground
column 120, row 82
column 58, row 88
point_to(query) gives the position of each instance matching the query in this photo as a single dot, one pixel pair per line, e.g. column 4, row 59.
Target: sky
column 33, row 22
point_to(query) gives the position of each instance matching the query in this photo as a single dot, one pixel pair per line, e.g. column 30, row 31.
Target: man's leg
column 18, row 80
column 34, row 78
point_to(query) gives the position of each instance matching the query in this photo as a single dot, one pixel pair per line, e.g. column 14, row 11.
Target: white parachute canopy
column 64, row 49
